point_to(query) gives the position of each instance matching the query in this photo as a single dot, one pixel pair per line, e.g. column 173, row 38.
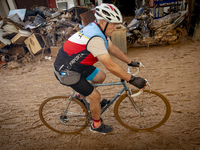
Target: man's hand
column 134, row 64
column 138, row 82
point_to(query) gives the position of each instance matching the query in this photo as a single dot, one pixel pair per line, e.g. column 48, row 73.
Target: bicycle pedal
column 104, row 102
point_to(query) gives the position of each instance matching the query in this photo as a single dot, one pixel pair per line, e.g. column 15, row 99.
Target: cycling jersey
column 74, row 55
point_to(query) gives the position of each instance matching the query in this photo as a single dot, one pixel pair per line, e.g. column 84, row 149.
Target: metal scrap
column 48, row 27
column 3, row 42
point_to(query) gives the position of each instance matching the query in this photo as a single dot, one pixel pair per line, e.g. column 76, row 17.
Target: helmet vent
column 108, row 18
column 112, row 14
column 98, row 14
column 107, row 7
column 105, row 13
column 116, row 12
column 118, row 18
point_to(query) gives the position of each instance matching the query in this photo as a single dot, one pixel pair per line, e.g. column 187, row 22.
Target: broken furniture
column 54, row 50
column 35, row 43
column 20, row 37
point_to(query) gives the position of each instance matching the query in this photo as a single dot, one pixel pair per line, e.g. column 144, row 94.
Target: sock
column 95, row 121
column 79, row 96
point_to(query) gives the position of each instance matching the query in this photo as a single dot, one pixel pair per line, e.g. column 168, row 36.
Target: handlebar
column 137, row 71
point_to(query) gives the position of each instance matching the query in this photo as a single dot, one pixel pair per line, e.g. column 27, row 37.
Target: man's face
column 110, row 28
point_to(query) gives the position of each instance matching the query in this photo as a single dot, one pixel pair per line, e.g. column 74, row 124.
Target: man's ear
column 101, row 23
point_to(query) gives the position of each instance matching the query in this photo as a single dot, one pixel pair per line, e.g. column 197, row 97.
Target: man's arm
column 114, row 67
column 115, row 51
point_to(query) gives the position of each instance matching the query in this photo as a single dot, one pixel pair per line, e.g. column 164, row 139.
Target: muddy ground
column 172, row 70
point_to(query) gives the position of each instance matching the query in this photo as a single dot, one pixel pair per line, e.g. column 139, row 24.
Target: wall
column 194, row 29
column 12, row 4
column 28, row 4
column 82, row 2
column 139, row 3
column 196, row 35
column 4, row 10
column 100, row 1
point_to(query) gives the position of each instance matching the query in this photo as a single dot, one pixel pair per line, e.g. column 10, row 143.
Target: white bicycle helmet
column 108, row 12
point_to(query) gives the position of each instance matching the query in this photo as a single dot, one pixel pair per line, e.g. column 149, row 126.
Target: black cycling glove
column 134, row 64
column 138, row 82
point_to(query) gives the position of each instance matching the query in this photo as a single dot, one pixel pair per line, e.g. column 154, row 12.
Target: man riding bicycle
column 74, row 61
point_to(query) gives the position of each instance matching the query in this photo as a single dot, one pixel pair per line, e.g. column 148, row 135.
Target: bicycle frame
column 125, row 88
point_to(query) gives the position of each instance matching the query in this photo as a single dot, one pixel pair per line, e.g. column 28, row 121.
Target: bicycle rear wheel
column 61, row 115
column 151, row 110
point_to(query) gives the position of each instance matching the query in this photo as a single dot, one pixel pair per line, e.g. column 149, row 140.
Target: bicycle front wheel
column 63, row 115
column 146, row 112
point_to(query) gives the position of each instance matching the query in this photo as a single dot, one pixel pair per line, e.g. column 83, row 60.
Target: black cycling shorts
column 83, row 86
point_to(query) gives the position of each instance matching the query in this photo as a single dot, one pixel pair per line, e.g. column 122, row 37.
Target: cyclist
column 74, row 61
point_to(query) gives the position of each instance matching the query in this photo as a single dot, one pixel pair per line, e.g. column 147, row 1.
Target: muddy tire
column 52, row 114
column 146, row 112
column 130, row 41
column 179, row 33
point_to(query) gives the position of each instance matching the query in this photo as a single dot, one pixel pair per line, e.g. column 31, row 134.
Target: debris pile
column 40, row 30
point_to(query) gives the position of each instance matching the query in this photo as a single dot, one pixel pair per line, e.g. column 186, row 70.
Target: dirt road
column 171, row 70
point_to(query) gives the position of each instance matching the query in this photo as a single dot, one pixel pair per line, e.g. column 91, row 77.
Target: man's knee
column 103, row 76
column 100, row 77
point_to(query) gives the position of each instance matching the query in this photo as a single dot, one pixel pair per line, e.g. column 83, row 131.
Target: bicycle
column 67, row 115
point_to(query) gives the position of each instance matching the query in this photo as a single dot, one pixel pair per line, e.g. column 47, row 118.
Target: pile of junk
column 41, row 30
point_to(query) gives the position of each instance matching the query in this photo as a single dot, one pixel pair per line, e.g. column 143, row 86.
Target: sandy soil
column 171, row 70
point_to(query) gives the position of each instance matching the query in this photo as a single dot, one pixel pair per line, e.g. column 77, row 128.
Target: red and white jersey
column 74, row 54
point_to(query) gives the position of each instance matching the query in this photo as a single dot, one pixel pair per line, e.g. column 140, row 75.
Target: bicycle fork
column 129, row 93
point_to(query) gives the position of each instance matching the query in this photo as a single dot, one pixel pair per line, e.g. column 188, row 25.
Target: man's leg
column 95, row 99
column 86, row 89
column 95, row 108
column 97, row 125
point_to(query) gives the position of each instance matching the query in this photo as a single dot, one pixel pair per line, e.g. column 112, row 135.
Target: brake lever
column 143, row 66
column 148, row 85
